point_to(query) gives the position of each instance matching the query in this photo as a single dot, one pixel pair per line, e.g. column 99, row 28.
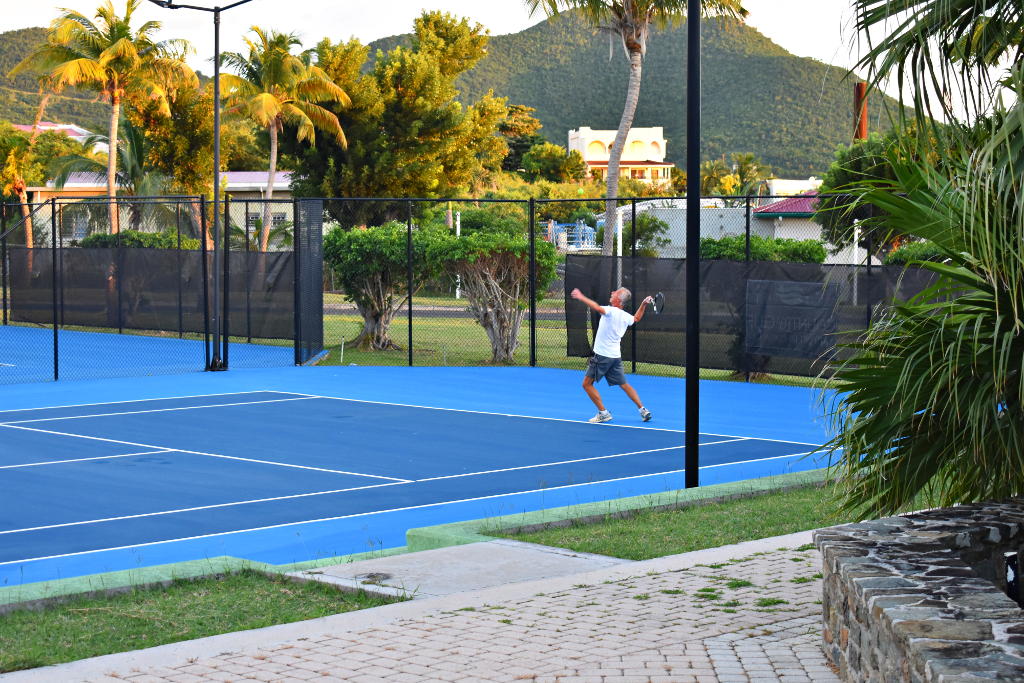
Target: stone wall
column 922, row 597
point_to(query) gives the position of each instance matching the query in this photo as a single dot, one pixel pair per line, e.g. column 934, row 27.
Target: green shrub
column 134, row 239
column 914, row 251
column 733, row 248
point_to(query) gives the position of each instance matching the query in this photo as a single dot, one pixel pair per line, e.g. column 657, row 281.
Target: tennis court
column 294, row 464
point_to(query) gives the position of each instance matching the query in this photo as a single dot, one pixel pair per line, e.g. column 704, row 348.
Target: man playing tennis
column 607, row 359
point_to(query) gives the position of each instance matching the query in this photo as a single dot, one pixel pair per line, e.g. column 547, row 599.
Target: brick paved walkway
column 749, row 612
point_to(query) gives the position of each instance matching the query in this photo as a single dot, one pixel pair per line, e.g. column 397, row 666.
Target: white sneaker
column 645, row 415
column 602, row 416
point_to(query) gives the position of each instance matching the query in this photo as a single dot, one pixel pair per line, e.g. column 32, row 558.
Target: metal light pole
column 692, row 435
column 216, row 362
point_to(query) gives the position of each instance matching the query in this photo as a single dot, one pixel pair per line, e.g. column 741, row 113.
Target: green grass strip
column 145, row 617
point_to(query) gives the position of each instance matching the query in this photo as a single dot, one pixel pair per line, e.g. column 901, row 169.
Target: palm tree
column 712, row 174
column 115, row 59
column 135, row 176
column 933, row 398
column 944, row 53
column 274, row 88
column 932, row 395
column 631, row 22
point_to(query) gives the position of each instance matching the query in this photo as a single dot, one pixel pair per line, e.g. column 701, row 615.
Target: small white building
column 643, row 157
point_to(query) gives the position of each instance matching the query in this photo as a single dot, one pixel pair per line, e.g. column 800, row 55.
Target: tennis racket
column 658, row 303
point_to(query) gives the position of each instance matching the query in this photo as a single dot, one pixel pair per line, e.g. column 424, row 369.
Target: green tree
column 24, row 162
column 114, row 59
column 371, row 265
column 860, row 164
column 275, row 88
column 649, row 234
column 409, row 135
column 520, row 131
column 750, row 172
column 631, row 22
column 549, row 161
column 494, row 272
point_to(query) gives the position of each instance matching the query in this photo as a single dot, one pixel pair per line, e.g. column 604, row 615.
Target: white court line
column 551, row 419
column 7, row 365
column 63, row 525
column 325, row 519
column 354, row 515
column 98, row 457
column 357, row 400
column 569, row 462
column 744, row 462
column 484, row 412
column 153, row 410
column 162, row 398
column 355, row 488
column 212, row 455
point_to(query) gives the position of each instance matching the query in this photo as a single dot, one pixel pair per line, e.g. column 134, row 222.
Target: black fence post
column 746, row 278
column 296, row 227
column 177, row 227
column 408, row 263
column 53, row 284
column 118, row 262
column 867, row 296
column 203, row 227
column 248, row 279
column 3, row 254
column 226, row 304
column 533, row 283
column 632, row 282
column 747, row 231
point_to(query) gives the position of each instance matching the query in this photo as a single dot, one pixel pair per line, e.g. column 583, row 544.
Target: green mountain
column 790, row 111
column 19, row 97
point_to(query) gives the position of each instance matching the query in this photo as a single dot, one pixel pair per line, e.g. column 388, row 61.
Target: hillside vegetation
column 19, row 96
column 790, row 111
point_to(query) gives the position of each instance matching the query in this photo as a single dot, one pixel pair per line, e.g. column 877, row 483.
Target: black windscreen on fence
column 135, row 289
column 157, row 281
column 756, row 317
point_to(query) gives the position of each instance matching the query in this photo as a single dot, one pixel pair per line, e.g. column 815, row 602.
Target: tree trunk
column 611, row 215
column 26, row 212
column 267, row 218
column 39, row 115
column 376, row 332
column 494, row 287
column 115, row 113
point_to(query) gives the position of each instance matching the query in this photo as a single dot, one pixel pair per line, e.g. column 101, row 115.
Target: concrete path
column 748, row 612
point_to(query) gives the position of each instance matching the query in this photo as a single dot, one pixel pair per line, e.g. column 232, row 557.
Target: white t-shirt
column 613, row 325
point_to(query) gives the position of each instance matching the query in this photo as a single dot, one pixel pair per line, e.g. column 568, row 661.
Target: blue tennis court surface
column 296, row 464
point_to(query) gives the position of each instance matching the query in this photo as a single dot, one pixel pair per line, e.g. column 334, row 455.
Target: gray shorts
column 609, row 368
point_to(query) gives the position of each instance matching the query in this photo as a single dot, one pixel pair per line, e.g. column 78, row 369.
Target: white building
column 643, row 157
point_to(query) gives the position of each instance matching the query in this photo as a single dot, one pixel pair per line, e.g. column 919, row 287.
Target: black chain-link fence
column 81, row 301
column 382, row 281
column 776, row 297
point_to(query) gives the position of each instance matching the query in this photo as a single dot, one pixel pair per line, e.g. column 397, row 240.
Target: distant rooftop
column 801, row 205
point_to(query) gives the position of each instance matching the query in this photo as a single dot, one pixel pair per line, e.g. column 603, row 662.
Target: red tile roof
column 802, row 204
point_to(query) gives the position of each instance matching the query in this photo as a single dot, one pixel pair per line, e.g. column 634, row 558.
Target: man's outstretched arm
column 578, row 295
column 643, row 309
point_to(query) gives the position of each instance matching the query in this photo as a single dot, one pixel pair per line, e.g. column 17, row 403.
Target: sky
column 806, row 28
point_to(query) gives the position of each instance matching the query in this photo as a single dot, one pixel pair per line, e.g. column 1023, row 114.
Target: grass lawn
column 656, row 533
column 88, row 627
